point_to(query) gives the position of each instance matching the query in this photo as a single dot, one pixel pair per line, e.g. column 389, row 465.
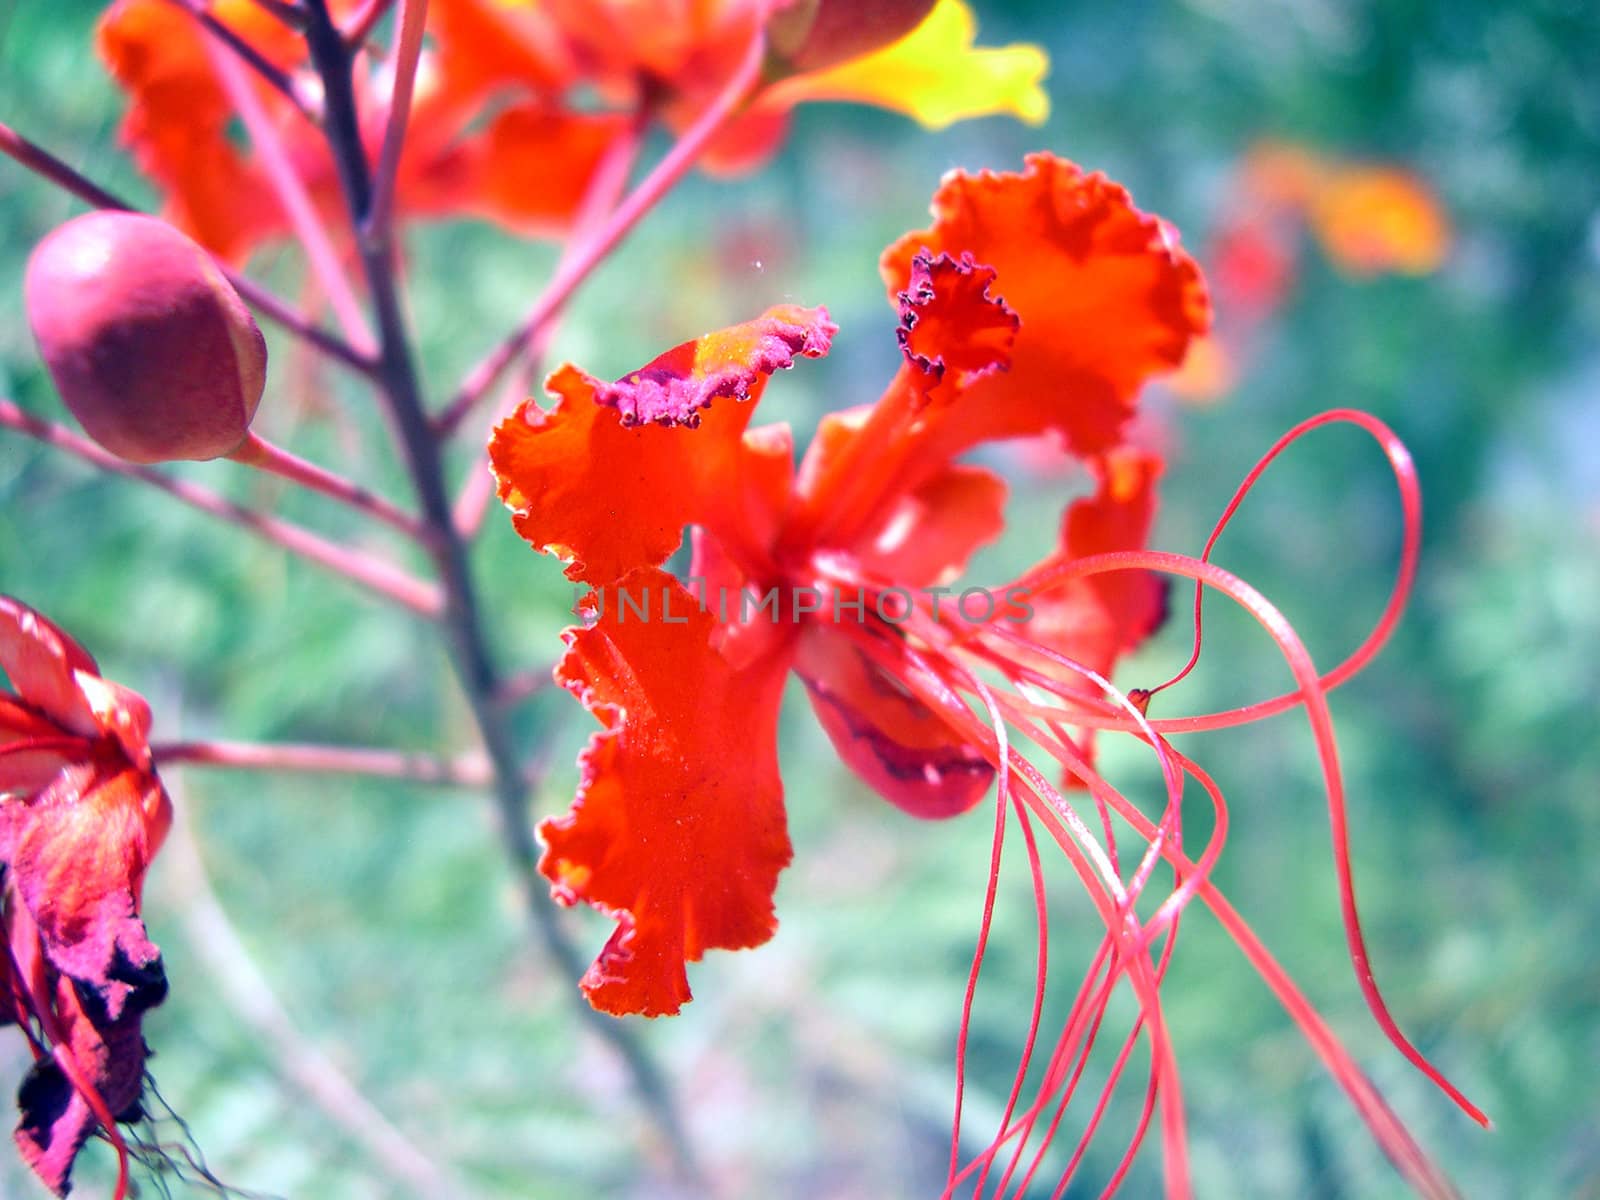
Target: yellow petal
column 934, row 74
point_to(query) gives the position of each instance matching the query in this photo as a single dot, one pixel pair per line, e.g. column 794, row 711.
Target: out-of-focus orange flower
column 1038, row 301
column 1374, row 220
column 1368, row 219
column 495, row 131
column 82, row 812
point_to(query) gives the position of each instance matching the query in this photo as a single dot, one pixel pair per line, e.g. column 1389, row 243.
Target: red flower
column 81, row 815
column 678, row 827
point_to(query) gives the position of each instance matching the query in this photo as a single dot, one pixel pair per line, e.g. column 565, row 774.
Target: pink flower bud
column 808, row 35
column 149, row 345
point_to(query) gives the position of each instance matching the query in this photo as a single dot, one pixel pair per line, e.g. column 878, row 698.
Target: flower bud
column 149, row 345
column 808, row 35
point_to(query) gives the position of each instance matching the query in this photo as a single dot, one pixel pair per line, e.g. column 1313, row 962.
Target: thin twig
column 274, row 75
column 270, row 305
column 594, row 249
column 259, row 453
column 599, row 201
column 465, row 640
column 314, row 759
column 378, row 576
column 514, row 689
column 413, row 17
column 244, row 988
column 293, row 198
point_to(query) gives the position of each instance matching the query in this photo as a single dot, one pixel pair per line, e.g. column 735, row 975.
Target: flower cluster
column 500, row 125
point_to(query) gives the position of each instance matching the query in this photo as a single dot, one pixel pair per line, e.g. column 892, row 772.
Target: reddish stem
column 325, row 760
column 595, row 248
column 268, row 304
column 413, row 17
column 461, row 620
column 293, row 198
column 257, row 452
column 386, row 580
column 600, row 200
column 242, row 51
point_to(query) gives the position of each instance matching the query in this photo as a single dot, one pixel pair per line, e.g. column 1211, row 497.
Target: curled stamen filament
column 939, row 666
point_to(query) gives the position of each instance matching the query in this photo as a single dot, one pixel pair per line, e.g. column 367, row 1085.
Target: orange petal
column 927, row 536
column 901, row 748
column 934, row 74
column 481, row 45
column 529, row 170
column 1097, row 620
column 178, row 115
column 1372, row 220
column 678, row 828
column 1105, row 297
column 613, row 473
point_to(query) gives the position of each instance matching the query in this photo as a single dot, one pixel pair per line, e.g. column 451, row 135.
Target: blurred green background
column 384, row 919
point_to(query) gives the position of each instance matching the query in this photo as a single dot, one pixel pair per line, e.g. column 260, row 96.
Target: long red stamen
column 1313, row 695
column 1083, row 852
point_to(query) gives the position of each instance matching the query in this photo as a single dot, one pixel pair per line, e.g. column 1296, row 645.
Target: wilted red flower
column 682, row 841
column 82, row 813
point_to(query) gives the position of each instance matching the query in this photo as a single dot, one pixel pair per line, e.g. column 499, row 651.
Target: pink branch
column 268, row 304
column 262, row 454
column 593, row 250
column 600, row 199
column 244, row 52
column 293, row 197
column 374, row 574
column 326, row 760
column 413, row 17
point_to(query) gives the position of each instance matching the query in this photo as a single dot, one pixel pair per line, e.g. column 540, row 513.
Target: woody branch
column 461, row 620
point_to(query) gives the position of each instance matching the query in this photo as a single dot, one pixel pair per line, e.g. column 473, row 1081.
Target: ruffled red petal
column 1105, row 297
column 678, row 828
column 613, row 473
column 950, row 323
